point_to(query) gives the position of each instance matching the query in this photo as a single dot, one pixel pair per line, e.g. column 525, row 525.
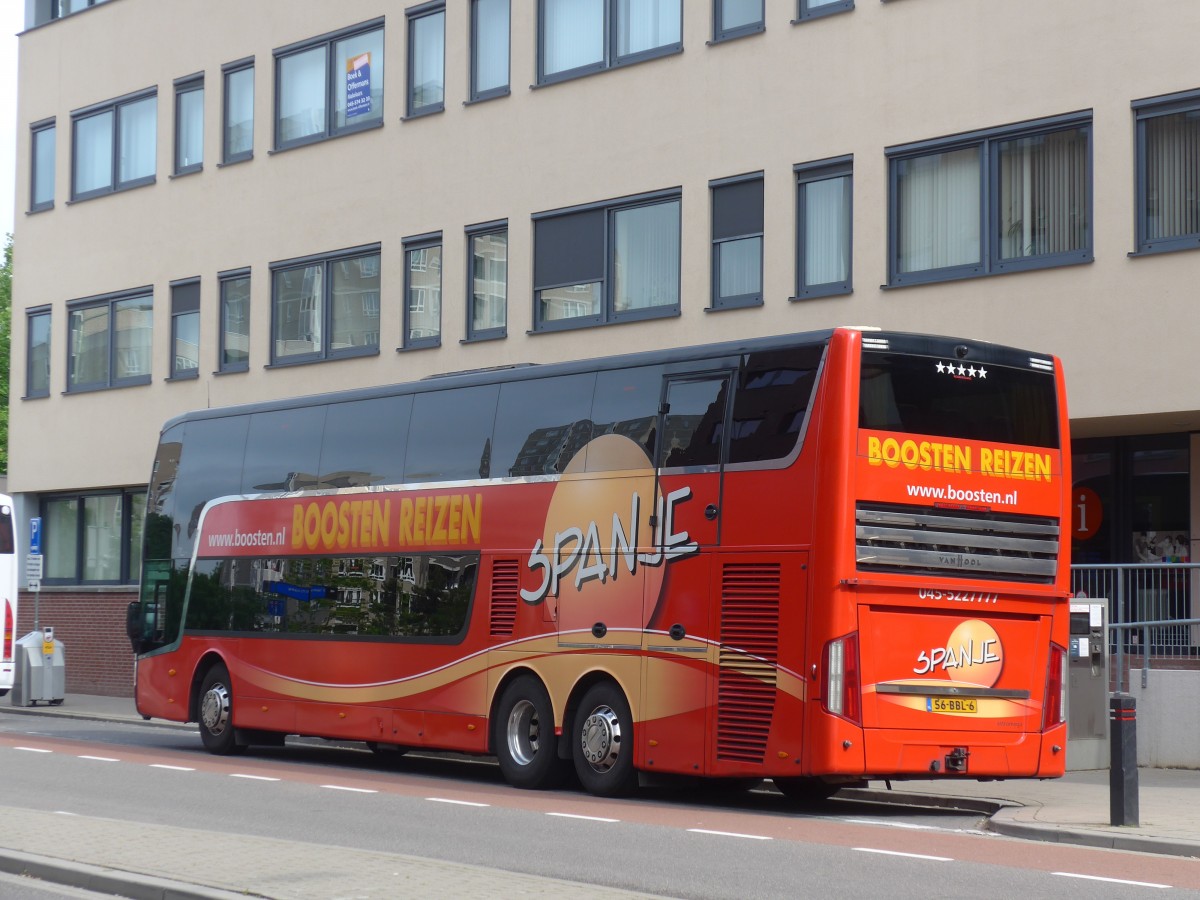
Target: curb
column 66, row 712
column 1003, row 823
column 102, row 880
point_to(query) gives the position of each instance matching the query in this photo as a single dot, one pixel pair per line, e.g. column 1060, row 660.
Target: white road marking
column 34, row 749
column 252, row 777
column 455, row 802
column 909, row 855
column 172, row 768
column 101, row 758
column 1148, row 884
column 911, row 825
column 353, row 790
column 585, row 818
column 751, row 837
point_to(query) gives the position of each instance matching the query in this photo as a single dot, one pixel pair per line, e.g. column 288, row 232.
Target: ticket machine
column 1087, row 690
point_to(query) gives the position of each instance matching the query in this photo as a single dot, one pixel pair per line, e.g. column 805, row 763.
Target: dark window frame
column 110, row 301
column 472, row 232
column 806, row 12
column 739, row 301
column 611, row 59
column 607, row 315
column 1144, row 112
column 326, row 260
column 987, row 142
column 224, row 279
column 331, row 130
column 114, row 108
column 36, row 131
column 413, row 244
column 503, row 90
column 721, row 33
column 412, row 15
column 129, row 574
column 228, row 71
column 187, row 85
column 806, row 174
column 183, row 304
column 37, row 312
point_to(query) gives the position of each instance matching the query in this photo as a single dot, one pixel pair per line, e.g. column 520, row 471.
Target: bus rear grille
column 748, row 655
column 957, row 543
column 505, row 586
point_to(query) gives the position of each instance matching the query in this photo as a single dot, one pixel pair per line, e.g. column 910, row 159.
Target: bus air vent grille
column 962, row 543
column 748, row 655
column 505, row 592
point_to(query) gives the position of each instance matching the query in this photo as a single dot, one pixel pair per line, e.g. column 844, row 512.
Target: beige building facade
column 222, row 202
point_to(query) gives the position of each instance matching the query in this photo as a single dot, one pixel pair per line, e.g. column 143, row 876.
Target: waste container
column 40, row 670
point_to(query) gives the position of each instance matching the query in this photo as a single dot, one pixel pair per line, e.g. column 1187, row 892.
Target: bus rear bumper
column 968, row 754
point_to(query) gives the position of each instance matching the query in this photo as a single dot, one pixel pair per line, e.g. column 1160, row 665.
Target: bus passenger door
column 677, row 642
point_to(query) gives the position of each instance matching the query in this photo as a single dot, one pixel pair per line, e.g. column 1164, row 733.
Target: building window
column 329, row 86
column 93, row 538
column 235, row 320
column 1168, row 177
column 487, row 280
column 37, row 353
column 489, row 48
column 737, row 241
column 1002, row 200
column 734, row 18
column 609, row 262
column 426, row 58
column 423, row 291
column 115, row 145
column 824, row 206
column 39, row 12
column 185, row 328
column 325, row 307
column 41, row 187
column 577, row 37
column 189, row 125
column 811, row 9
column 237, row 140
column 109, row 340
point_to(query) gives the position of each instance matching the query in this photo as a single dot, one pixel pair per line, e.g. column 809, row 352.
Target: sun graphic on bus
column 972, row 655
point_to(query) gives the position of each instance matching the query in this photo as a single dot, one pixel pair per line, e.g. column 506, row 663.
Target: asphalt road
column 677, row 841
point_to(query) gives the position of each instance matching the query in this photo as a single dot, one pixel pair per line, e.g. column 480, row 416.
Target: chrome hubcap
column 601, row 739
column 214, row 709
column 523, row 733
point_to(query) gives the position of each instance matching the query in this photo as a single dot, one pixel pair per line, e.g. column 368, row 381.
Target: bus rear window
column 986, row 402
column 7, row 537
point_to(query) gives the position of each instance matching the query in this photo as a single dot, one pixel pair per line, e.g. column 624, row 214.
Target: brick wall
column 91, row 626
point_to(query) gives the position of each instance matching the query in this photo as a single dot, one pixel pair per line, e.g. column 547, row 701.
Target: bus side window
column 364, row 442
column 451, row 435
column 283, row 449
column 541, row 424
column 774, row 392
column 626, row 403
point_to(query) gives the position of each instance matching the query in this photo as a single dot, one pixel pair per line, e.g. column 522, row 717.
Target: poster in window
column 358, row 86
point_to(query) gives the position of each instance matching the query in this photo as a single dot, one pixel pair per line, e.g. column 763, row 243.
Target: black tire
column 386, row 751
column 523, row 736
column 806, row 790
column 602, row 742
column 215, row 712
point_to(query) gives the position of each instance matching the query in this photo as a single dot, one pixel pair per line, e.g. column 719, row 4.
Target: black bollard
column 1122, row 771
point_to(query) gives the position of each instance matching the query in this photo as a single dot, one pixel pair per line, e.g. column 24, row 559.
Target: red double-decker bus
column 815, row 558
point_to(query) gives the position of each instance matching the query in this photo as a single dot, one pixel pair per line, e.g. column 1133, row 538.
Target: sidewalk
column 163, row 862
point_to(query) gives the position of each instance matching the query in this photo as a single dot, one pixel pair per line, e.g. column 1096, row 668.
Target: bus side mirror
column 133, row 625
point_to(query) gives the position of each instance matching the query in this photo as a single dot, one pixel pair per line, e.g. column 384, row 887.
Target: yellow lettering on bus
column 455, row 517
column 406, row 521
column 471, row 517
column 297, row 525
column 383, row 523
column 419, row 524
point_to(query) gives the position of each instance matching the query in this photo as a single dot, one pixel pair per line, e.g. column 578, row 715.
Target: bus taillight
column 6, row 651
column 842, row 683
column 1055, row 707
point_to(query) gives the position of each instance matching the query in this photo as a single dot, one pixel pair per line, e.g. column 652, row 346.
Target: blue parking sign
column 35, row 535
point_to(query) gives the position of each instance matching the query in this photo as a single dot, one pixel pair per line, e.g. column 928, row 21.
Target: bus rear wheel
column 523, row 736
column 216, row 713
column 602, row 742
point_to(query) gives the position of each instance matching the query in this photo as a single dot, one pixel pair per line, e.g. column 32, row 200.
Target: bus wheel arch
column 211, row 705
column 601, row 739
column 523, row 733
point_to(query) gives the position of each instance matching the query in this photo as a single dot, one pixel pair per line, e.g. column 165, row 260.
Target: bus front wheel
column 602, row 742
column 523, row 735
column 216, row 713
